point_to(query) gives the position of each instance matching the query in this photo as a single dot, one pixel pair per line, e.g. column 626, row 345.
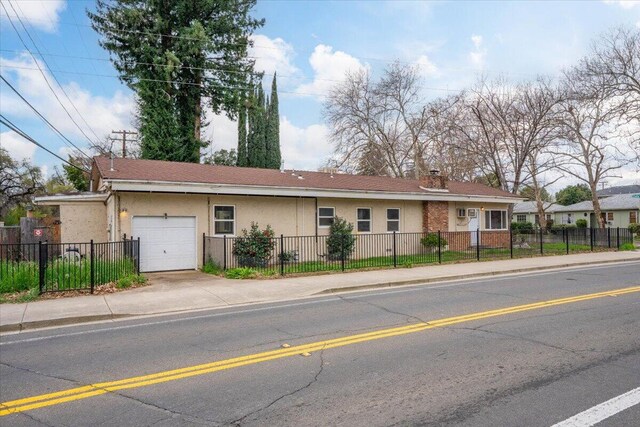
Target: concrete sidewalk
column 183, row 291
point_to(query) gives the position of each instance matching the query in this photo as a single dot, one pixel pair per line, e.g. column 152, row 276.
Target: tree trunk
column 597, row 212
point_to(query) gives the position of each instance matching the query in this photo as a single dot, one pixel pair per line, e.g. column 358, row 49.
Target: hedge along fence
column 54, row 267
column 301, row 254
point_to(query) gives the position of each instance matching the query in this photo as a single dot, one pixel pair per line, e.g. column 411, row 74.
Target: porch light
column 482, row 208
column 123, row 212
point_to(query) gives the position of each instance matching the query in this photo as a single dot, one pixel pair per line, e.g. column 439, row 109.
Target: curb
column 463, row 276
column 65, row 321
column 19, row 327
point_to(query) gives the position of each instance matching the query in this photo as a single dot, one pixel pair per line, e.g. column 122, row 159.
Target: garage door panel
column 166, row 243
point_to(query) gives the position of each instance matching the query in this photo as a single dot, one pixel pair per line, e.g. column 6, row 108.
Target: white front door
column 166, row 243
column 474, row 225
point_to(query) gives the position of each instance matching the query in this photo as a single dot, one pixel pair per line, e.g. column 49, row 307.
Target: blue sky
column 311, row 44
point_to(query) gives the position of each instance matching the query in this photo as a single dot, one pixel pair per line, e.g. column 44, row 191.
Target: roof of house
column 617, row 202
column 620, row 189
column 532, row 207
column 176, row 172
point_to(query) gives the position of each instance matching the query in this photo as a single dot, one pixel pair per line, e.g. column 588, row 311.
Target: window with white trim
column 523, row 218
column 326, row 216
column 393, row 219
column 633, row 217
column 364, row 220
column 495, row 219
column 224, row 219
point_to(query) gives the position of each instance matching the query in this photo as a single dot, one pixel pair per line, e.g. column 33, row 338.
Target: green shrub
column 341, row 241
column 521, row 227
column 581, row 223
column 635, row 229
column 254, row 248
column 288, row 256
column 211, row 267
column 240, row 273
column 124, row 282
column 432, row 241
column 627, row 247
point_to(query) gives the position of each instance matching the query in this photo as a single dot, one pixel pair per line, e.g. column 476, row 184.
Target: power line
column 250, row 44
column 42, row 117
column 20, row 132
column 196, row 84
column 52, row 74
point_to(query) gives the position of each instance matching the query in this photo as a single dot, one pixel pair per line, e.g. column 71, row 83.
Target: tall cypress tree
column 242, row 137
column 255, row 140
column 274, row 156
column 261, row 127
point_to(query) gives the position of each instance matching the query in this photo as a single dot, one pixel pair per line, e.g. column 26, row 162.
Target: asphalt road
column 534, row 366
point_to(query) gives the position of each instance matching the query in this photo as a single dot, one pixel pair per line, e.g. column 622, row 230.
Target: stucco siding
column 83, row 222
column 410, row 214
column 286, row 215
column 462, row 224
column 620, row 218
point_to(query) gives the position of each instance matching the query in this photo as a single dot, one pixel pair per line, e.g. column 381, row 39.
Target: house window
column 607, row 217
column 325, row 217
column 224, row 219
column 364, row 220
column 633, row 217
column 495, row 220
column 567, row 218
column 523, row 218
column 393, row 219
column 548, row 217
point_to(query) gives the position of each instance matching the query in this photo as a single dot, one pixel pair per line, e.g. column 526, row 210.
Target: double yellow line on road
column 97, row 389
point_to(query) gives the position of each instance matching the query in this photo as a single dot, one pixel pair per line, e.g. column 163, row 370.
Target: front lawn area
column 60, row 275
column 411, row 260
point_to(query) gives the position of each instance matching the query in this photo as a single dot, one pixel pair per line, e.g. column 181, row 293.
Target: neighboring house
column 528, row 212
column 170, row 205
column 620, row 189
column 618, row 211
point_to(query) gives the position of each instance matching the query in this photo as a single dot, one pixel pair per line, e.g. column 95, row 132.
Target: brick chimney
column 435, row 180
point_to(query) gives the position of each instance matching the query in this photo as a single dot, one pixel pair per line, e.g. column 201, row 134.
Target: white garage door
column 166, row 243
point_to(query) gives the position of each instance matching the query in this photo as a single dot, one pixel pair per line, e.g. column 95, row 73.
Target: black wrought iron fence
column 66, row 266
column 301, row 254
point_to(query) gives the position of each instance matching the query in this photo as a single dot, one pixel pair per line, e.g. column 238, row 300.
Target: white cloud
column 221, row 131
column 273, row 55
column 43, row 15
column 625, row 4
column 295, row 142
column 101, row 113
column 426, row 68
column 478, row 54
column 19, row 148
column 329, row 68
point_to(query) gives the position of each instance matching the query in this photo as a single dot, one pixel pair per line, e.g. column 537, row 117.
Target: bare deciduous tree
column 592, row 131
column 385, row 127
column 507, row 127
column 18, row 181
column 615, row 58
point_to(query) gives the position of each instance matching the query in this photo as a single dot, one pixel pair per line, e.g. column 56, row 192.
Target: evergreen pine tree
column 164, row 52
column 242, row 137
column 273, row 129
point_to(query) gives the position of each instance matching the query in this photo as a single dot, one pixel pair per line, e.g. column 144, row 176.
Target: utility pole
column 124, row 134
